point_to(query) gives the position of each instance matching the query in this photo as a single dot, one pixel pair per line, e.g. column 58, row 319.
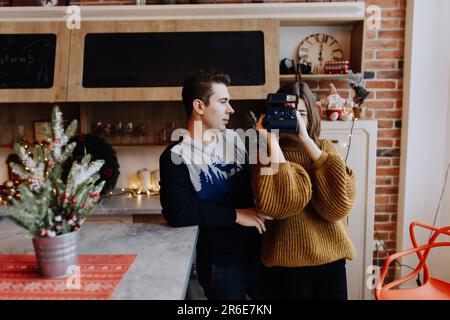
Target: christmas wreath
column 98, row 148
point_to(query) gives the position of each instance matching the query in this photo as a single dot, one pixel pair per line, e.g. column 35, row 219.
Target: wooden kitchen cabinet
column 273, row 20
column 81, row 88
column 25, row 62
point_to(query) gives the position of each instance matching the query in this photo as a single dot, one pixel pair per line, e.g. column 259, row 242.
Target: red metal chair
column 432, row 288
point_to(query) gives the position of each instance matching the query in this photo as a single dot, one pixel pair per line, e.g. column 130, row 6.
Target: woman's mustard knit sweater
column 309, row 202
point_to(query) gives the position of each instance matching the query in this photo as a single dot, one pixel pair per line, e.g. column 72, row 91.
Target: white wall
column 426, row 123
column 440, row 261
column 131, row 159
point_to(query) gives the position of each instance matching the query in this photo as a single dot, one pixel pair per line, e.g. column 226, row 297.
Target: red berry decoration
column 42, row 232
column 75, row 228
column 73, row 201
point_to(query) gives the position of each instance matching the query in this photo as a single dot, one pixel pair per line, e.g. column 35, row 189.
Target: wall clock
column 318, row 49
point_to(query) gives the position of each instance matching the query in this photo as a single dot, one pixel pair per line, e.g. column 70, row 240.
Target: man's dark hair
column 199, row 86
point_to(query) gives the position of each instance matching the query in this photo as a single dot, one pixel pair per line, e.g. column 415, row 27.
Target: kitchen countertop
column 160, row 271
column 141, row 204
column 120, row 205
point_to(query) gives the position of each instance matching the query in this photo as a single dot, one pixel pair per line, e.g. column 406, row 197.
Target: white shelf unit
column 362, row 160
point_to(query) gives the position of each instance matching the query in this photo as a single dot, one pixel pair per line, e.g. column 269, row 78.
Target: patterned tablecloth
column 96, row 279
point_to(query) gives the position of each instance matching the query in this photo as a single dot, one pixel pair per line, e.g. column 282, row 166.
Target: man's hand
column 251, row 218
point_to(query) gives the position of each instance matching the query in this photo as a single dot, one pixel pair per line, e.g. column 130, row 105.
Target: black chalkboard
column 27, row 60
column 165, row 59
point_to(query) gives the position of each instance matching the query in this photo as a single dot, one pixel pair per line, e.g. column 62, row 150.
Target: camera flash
column 291, row 98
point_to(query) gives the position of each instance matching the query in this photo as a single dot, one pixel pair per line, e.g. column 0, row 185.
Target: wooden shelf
column 291, row 77
column 129, row 146
column 300, row 12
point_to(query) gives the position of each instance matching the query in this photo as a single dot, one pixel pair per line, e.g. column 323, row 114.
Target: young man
column 204, row 182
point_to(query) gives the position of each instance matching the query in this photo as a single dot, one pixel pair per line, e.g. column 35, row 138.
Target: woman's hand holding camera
column 305, row 140
column 302, row 130
column 301, row 136
column 273, row 147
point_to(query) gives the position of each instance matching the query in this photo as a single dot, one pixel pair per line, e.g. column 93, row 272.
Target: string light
column 380, row 243
column 132, row 192
column 350, row 140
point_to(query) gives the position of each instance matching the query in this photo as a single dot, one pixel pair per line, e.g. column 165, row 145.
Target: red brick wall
column 384, row 56
column 384, row 62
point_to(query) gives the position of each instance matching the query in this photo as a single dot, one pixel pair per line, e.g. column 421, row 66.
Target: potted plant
column 50, row 208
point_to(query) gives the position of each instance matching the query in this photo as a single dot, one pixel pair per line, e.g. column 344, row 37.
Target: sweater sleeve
column 180, row 204
column 334, row 185
column 284, row 193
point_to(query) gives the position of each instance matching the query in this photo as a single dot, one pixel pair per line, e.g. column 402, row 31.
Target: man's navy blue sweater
column 211, row 207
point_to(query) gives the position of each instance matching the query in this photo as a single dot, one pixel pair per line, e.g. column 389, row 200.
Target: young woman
column 309, row 197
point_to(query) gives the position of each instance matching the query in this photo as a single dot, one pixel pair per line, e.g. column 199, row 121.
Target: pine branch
column 19, row 170
column 38, row 154
column 46, row 132
column 71, row 129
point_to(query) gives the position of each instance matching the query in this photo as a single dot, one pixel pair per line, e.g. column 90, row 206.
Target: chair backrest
column 436, row 233
column 380, row 288
column 418, row 250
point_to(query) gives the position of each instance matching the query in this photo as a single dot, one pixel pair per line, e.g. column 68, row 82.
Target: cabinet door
column 34, row 61
column 113, row 78
column 362, row 160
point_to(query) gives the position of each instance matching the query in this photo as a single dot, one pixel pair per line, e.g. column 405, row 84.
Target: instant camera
column 278, row 115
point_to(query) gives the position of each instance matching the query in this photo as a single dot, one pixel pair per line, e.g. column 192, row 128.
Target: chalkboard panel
column 165, row 59
column 27, row 60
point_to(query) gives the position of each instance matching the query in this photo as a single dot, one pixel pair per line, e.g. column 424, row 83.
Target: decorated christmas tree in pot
column 52, row 210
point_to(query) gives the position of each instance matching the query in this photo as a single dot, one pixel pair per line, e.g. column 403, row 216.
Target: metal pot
column 55, row 255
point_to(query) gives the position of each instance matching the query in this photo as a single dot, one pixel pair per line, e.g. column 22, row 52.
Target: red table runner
column 98, row 278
